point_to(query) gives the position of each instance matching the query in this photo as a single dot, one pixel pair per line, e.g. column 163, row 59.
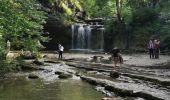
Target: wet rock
column 51, row 61
column 47, row 71
column 72, row 64
column 41, row 68
column 28, row 66
column 59, row 73
column 77, row 74
column 97, row 58
column 27, row 55
column 106, row 98
column 119, row 91
column 92, row 72
column 114, row 74
column 62, row 63
column 128, row 89
column 33, row 76
column 91, row 81
column 160, row 81
column 64, row 76
column 38, row 62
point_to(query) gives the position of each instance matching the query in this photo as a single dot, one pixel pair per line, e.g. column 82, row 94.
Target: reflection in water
column 23, row 89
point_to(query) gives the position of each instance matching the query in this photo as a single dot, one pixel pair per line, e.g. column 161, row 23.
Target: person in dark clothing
column 157, row 48
column 116, row 56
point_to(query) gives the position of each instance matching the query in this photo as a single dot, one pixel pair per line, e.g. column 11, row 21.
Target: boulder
column 77, row 74
column 59, row 73
column 97, row 58
column 27, row 55
column 114, row 74
column 32, row 76
column 28, row 66
column 64, row 76
column 38, row 62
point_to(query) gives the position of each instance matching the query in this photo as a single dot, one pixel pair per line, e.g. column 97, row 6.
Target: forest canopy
column 136, row 20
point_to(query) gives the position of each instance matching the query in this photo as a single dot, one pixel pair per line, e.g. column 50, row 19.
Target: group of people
column 116, row 55
column 154, row 48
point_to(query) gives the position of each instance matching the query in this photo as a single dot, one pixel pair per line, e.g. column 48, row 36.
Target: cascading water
column 88, row 31
column 72, row 28
column 81, row 37
column 102, row 38
column 87, row 37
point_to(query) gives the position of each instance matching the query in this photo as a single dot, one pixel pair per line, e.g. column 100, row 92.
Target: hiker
column 61, row 49
column 156, row 48
column 151, row 48
column 117, row 57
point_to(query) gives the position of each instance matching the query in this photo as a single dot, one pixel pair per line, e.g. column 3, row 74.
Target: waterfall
column 72, row 28
column 88, row 32
column 102, row 38
column 88, row 36
column 81, row 37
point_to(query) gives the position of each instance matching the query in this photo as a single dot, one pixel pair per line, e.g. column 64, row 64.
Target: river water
column 17, row 86
column 22, row 88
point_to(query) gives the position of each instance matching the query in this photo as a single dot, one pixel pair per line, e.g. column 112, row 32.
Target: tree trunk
column 119, row 9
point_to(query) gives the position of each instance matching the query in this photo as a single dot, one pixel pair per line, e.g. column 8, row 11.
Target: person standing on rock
column 61, row 49
column 151, row 49
column 157, row 48
column 117, row 57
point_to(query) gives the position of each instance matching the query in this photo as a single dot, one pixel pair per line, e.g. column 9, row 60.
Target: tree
column 21, row 23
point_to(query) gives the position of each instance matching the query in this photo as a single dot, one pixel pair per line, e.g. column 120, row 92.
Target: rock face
column 33, row 76
column 128, row 89
column 64, row 76
column 58, row 32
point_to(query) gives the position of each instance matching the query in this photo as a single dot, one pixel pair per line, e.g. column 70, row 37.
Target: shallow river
column 21, row 88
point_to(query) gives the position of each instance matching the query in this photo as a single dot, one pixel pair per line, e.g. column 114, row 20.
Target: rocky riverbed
column 139, row 78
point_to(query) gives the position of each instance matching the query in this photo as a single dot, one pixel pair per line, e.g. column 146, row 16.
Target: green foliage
column 148, row 22
column 143, row 19
column 21, row 23
column 99, row 8
column 144, row 16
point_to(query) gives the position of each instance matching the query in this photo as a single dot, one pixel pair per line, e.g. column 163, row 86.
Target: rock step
column 129, row 89
column 161, row 81
column 165, row 73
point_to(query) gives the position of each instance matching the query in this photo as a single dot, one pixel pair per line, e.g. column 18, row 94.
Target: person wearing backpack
column 117, row 57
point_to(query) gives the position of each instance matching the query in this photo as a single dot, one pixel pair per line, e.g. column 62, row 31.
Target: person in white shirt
column 151, row 49
column 61, row 49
